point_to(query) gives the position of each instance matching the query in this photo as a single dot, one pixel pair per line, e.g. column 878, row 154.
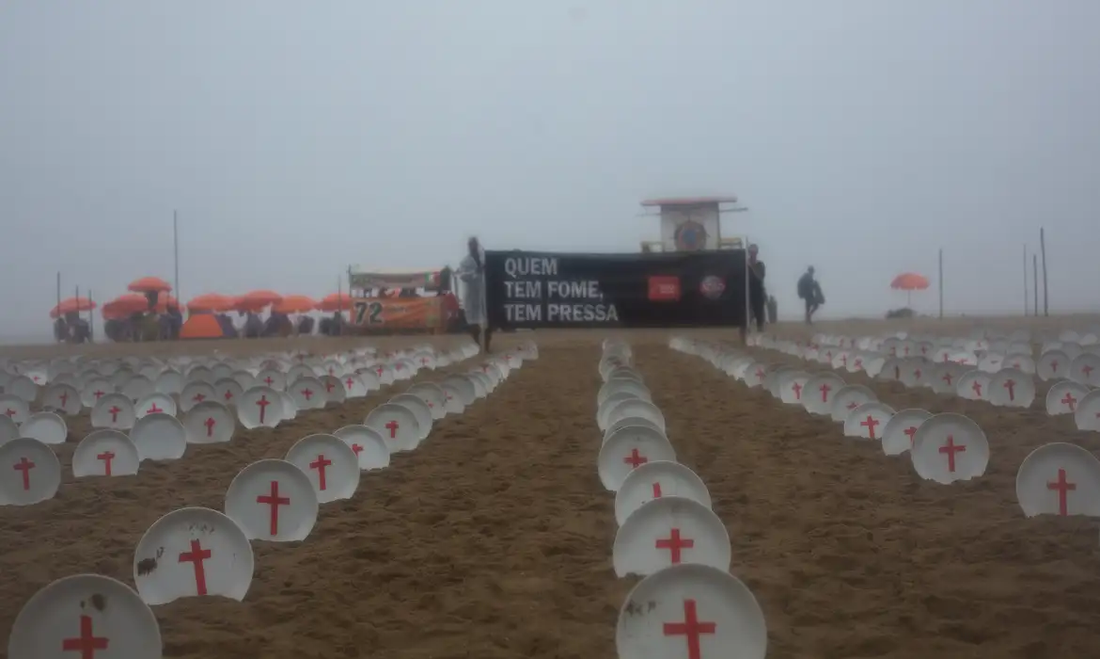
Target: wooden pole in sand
column 1043, row 250
column 1035, row 281
column 76, row 294
column 340, row 302
column 941, row 282
column 1025, row 282
column 176, row 254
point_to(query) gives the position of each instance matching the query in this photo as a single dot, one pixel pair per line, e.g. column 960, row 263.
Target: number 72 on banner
column 368, row 313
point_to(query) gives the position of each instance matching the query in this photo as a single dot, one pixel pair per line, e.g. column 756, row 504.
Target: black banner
column 679, row 289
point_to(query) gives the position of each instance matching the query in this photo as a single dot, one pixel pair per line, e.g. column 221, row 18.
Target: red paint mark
column 635, row 459
column 1063, row 487
column 950, row 449
column 690, row 628
column 911, row 431
column 87, row 643
column 263, row 403
column 674, row 544
column 107, row 457
column 869, row 423
column 274, row 501
column 320, row 464
column 196, row 556
column 24, row 465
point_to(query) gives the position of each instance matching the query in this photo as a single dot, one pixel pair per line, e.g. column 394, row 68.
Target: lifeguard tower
column 691, row 224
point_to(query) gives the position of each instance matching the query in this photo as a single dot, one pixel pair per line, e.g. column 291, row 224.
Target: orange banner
column 416, row 313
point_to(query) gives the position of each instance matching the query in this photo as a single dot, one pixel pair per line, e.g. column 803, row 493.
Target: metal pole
column 1035, row 280
column 340, row 302
column 1025, row 282
column 1043, row 249
column 941, row 282
column 748, row 290
column 91, row 319
column 176, row 252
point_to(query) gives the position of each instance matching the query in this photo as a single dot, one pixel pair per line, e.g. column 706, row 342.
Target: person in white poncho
column 471, row 272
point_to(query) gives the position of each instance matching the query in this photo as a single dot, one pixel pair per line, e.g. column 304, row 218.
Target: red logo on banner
column 664, row 288
column 712, row 287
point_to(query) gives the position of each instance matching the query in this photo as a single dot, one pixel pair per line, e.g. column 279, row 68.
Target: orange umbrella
column 294, row 304
column 71, row 305
column 258, row 299
column 110, row 312
column 909, row 282
column 166, row 301
column 149, row 285
column 130, row 303
column 335, row 302
column 243, row 303
column 210, row 303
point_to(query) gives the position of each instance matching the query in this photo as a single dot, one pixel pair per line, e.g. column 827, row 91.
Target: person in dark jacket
column 175, row 322
column 60, row 330
column 229, row 330
column 757, row 293
column 253, row 325
column 810, row 292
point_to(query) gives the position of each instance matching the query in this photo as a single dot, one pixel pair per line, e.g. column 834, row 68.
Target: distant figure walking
column 471, row 271
column 810, row 291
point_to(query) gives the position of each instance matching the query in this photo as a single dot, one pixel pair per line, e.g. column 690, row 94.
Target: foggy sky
column 295, row 138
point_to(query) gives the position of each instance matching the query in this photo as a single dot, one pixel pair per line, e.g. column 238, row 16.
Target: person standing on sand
column 757, row 294
column 810, row 291
column 471, row 271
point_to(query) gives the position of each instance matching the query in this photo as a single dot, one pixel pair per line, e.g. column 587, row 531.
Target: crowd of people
column 152, row 326
column 71, row 328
